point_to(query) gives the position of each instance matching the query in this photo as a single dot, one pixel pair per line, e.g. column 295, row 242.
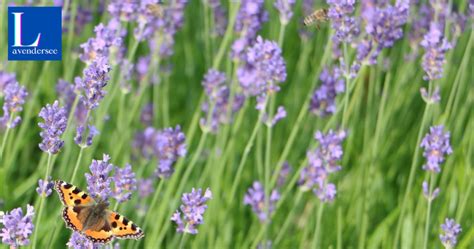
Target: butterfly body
column 92, row 218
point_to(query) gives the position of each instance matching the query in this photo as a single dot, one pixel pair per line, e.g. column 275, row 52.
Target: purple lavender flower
column 6, row 79
column 45, row 188
column 125, row 183
column 218, row 94
column 108, row 39
column 426, row 192
column 13, row 103
column 98, row 181
column 285, row 9
column 123, row 10
column 323, row 102
column 192, row 211
column 279, row 115
column 451, row 231
column 17, row 227
column 145, row 187
column 263, row 69
column 322, row 162
column 436, row 145
column 81, row 131
column 283, row 174
column 383, row 26
column 249, row 21
column 420, row 26
column 220, row 18
column 164, row 28
column 79, row 241
column 255, row 197
column 170, row 145
column 146, row 116
column 93, row 82
column 344, row 24
column 54, row 125
column 435, row 97
column 435, row 49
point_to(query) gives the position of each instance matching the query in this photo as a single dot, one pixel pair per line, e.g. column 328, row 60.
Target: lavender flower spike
column 285, row 9
column 322, row 162
column 323, row 102
column 54, row 125
column 193, row 208
column 170, row 146
column 263, row 69
column 13, row 103
column 125, row 183
column 45, row 188
column 435, row 49
column 436, row 145
column 255, row 198
column 98, row 181
column 17, row 227
column 78, row 241
column 451, row 231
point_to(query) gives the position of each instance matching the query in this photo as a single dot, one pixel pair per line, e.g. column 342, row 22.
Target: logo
column 34, row 34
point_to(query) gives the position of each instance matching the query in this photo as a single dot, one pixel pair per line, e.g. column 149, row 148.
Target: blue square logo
column 34, row 34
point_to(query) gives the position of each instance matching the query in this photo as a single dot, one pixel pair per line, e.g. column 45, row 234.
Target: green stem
column 247, row 149
column 42, row 196
column 428, row 212
column 318, row 226
column 182, row 241
column 76, row 167
column 411, row 177
column 5, row 137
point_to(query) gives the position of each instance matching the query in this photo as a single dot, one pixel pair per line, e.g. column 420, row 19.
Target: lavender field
column 242, row 124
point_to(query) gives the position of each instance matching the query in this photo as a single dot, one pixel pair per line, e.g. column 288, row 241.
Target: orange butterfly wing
column 71, row 195
column 123, row 228
column 100, row 234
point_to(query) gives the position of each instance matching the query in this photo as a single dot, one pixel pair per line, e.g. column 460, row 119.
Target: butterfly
column 91, row 218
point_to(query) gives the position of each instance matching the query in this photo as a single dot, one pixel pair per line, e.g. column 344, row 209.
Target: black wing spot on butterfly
column 134, row 227
column 117, row 216
column 67, row 186
column 76, row 191
column 84, row 196
column 77, row 201
column 70, row 197
column 125, row 221
column 120, row 228
column 114, row 224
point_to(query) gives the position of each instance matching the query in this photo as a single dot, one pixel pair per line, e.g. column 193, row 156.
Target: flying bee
column 156, row 10
column 318, row 16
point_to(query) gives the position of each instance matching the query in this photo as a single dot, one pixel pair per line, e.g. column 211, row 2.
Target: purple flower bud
column 6, row 79
column 45, row 188
column 79, row 241
column 435, row 97
column 125, row 183
column 436, row 146
column 283, row 174
column 285, row 9
column 170, row 145
column 146, row 116
column 99, row 181
column 344, row 24
column 323, row 102
column 426, row 192
column 279, row 115
column 54, row 125
column 17, row 227
column 218, row 93
column 192, row 211
column 263, row 69
column 451, row 231
column 94, row 80
column 145, row 187
column 107, row 39
column 322, row 162
column 81, row 132
column 14, row 98
column 255, row 197
column 435, row 49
